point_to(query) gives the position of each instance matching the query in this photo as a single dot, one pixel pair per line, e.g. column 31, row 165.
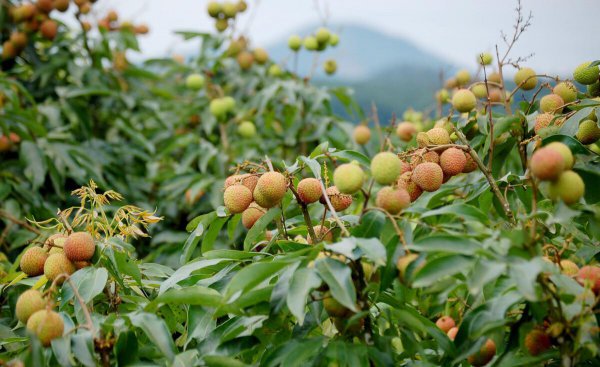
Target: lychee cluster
column 34, row 309
column 225, row 11
column 319, row 41
column 222, row 107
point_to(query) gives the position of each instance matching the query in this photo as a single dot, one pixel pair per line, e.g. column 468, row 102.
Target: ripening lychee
column 79, row 246
column 568, row 267
column 453, row 161
column 392, row 200
column 495, row 95
column 194, row 81
column 47, row 325
column 588, row 132
column 32, row 261
column 271, row 187
column 252, row 214
column 428, row 176
column 565, row 151
column 28, row 303
column 294, row 42
column 438, row 136
column 494, row 78
column 245, row 60
column 451, row 83
column 57, row 264
column 585, row 74
column 45, row 6
column 323, row 234
column 484, row 355
column 551, row 103
column 404, row 182
column 55, row 243
column 48, row 29
column 464, row 100
column 362, row 134
column 260, row 55
column 479, row 90
column 470, row 165
column 237, row 198
column 542, row 121
column 526, row 78
column 385, row 168
column 348, row 178
column 275, row 70
column 333, row 307
column 241, row 6
column 589, row 275
column 547, row 164
column 339, row 201
column 403, row 263
column 463, row 77
column 420, row 156
column 406, row 130
column 423, row 140
column 247, row 130
column 445, row 323
column 19, row 40
column 566, row 90
column 309, row 190
column 569, row 187
column 537, row 341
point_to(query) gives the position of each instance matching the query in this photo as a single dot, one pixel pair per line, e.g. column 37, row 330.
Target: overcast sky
column 563, row 33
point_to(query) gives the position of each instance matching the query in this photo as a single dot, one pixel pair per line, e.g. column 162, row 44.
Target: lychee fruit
column 58, row 264
column 594, row 89
column 247, row 130
column 442, row 96
column 322, row 34
column 551, row 103
column 8, row 51
column 420, row 156
column 542, row 121
column 479, row 90
column 194, row 81
column 245, row 60
column 32, row 261
column 485, row 58
column 334, row 39
column 485, row 354
column 566, row 90
column 585, row 74
column 221, row 24
column 218, row 107
column 253, row 213
column 271, row 187
column 525, row 78
column 45, row 6
column 569, row 268
column 403, row 263
column 362, row 134
column 28, row 303
column 428, row 176
column 385, row 168
column 547, row 164
column 348, row 178
column 588, row 132
column 414, row 191
column 310, row 43
column 294, row 42
column 590, row 275
column 470, row 165
column 55, row 243
column 47, row 325
column 48, row 29
column 79, row 246
column 536, row 342
column 463, row 77
column 445, row 323
column 214, row 8
column 333, row 307
column 494, row 78
column 323, row 234
column 464, row 100
column 453, row 161
column 237, row 198
column 423, row 140
column 565, row 151
column 19, row 40
column 438, row 136
column 309, row 190
column 330, row 66
column 260, row 55
column 569, row 187
column 339, row 201
column 406, row 130
column 392, row 200
column 275, row 70
column 230, row 9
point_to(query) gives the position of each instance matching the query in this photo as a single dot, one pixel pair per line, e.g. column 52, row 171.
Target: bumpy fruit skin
column 247, row 130
column 46, row 325
column 527, row 77
column 294, row 42
column 58, row 264
column 588, row 132
column 348, row 178
column 479, row 90
column 237, row 198
column 566, row 90
column 260, row 55
column 565, row 151
column 32, row 261
column 445, row 323
column 453, row 161
column 569, row 268
column 594, row 89
column 28, row 303
column 79, row 246
column 333, row 307
column 536, row 342
column 339, row 201
column 428, row 176
column 470, row 165
column 385, row 168
column 542, row 121
column 552, row 103
column 54, row 241
column 271, row 186
column 362, row 134
column 330, row 66
column 484, row 355
column 309, row 190
column 392, row 200
column 569, row 187
column 464, row 100
column 423, row 139
column 194, row 81
column 420, row 156
column 414, row 191
column 438, row 136
column 463, row 77
column 586, row 75
column 590, row 274
column 251, row 215
column 406, row 130
column 547, row 164
column 323, row 234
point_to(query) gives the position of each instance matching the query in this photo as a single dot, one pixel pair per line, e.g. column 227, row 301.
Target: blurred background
column 393, row 52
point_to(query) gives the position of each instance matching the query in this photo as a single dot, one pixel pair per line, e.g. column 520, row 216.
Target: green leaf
column 195, row 295
column 460, row 210
column 352, row 155
column 438, row 268
column 126, row 348
column 445, row 243
column 251, row 276
column 156, row 330
column 212, row 233
column 339, row 279
column 35, row 165
column 303, row 281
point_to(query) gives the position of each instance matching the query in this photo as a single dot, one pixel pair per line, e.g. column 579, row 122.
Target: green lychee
column 485, row 58
column 275, row 70
column 588, row 132
column 565, row 151
column 438, row 136
column 28, row 303
column 260, row 55
column 547, row 164
column 271, row 187
column 463, row 77
column 551, row 103
column 58, row 264
column 330, row 66
column 322, row 35
column 294, row 42
column 464, row 100
column 586, row 74
column 526, row 78
column 385, row 168
column 247, row 129
column 566, row 90
column 348, row 178
column 194, row 81
column 47, row 325
column 311, row 43
column 569, row 187
column 362, row 134
column 32, row 261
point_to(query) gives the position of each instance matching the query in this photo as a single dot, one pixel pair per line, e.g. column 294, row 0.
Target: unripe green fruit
column 32, row 261
column 334, row 39
column 221, row 24
column 333, row 307
column 271, row 187
column 565, row 151
column 253, row 213
column 484, row 355
column 485, row 58
column 229, row 9
column 46, row 325
column 403, row 263
column 245, row 60
column 527, row 77
column 28, row 303
column 241, row 6
column 536, row 342
column 58, row 264
column 362, row 134
column 275, row 70
column 464, row 100
column 260, row 55
column 569, row 187
column 463, row 77
column 594, row 89
column 547, row 164
column 453, row 161
column 309, row 190
column 348, row 178
column 330, row 67
column 406, row 130
column 423, row 139
column 229, row 103
column 479, row 90
column 428, row 176
column 566, row 90
column 445, row 323
column 237, row 198
column 586, row 75
column 588, row 132
column 194, row 81
column 339, row 201
column 214, row 8
column 311, row 43
column 385, row 168
column 294, row 42
column 438, row 136
column 443, row 96
column 444, row 124
column 590, row 275
column 79, row 246
column 218, row 107
column 552, row 103
column 322, row 35
column 247, row 129
column 392, row 200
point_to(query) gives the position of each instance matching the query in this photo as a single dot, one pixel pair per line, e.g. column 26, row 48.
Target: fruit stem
column 303, row 207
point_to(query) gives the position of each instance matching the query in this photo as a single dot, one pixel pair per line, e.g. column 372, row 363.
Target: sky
column 562, row 35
